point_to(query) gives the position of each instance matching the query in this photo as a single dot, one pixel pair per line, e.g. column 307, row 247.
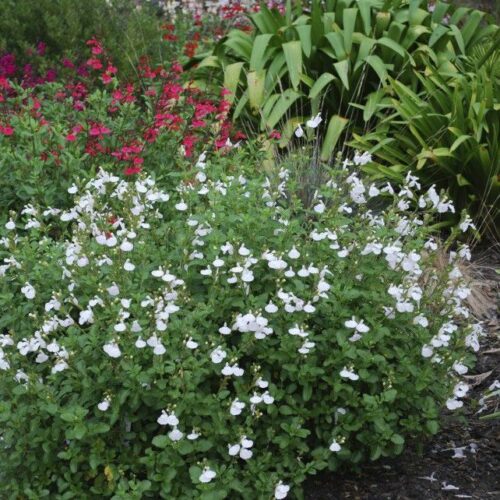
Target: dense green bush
column 65, row 25
column 214, row 337
column 337, row 57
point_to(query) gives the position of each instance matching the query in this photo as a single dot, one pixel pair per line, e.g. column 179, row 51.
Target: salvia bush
column 215, row 337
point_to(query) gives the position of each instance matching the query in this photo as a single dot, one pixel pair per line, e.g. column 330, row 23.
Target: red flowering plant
column 53, row 133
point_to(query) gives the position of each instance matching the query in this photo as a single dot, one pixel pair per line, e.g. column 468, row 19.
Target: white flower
column 126, row 246
column 175, row 434
column 167, row 418
column 358, row 326
column 217, row 355
column 313, row 123
column 193, row 435
column 319, row 208
column 112, row 350
column 261, row 383
column 224, row 330
column 299, row 132
column 466, row 224
column 460, row 368
column 277, row 264
column 104, row 404
column 243, row 251
column 86, row 316
column 293, row 253
column 335, row 447
column 236, row 407
column 271, row 308
column 191, row 344
column 181, row 206
column 11, row 225
column 346, row 373
column 207, row 475
column 159, row 349
column 28, row 291
column 114, row 290
column 362, row 159
column 139, row 343
column 453, row 404
column 59, row 366
column 427, row 351
column 281, row 491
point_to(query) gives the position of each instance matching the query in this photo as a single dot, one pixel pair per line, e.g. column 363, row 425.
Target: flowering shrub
column 53, row 133
column 187, row 333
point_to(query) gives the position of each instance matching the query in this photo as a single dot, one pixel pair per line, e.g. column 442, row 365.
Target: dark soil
column 435, row 473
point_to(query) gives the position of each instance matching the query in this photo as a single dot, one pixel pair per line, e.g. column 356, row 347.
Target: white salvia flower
column 262, row 383
column 427, row 351
column 28, row 291
column 335, row 447
column 453, row 404
column 120, row 327
column 207, row 475
column 421, row 320
column 193, row 435
column 271, row 308
column 112, row 350
column 175, row 434
column 159, row 349
column 460, row 368
column 225, row 330
column 350, row 374
column 236, row 407
column 319, row 208
column 59, row 366
column 299, row 132
column 281, row 491
column 191, row 344
column 217, row 355
column 277, row 264
column 466, row 224
column 460, row 390
column 86, row 316
column 267, row 398
column 41, row 357
column 126, row 246
column 140, row 343
column 104, row 404
column 11, row 225
column 181, row 206
column 362, row 159
column 218, row 262
column 168, row 418
column 358, row 326
column 113, row 290
column 313, row 123
column 243, row 251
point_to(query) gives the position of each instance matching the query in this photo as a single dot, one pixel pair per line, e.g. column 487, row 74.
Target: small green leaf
column 160, row 441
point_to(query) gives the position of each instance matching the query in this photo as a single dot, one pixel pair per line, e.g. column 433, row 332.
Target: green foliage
column 152, row 289
column 65, row 26
column 449, row 136
column 337, row 57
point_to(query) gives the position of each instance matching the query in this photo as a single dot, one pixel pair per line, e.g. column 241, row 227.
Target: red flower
column 132, row 170
column 6, row 130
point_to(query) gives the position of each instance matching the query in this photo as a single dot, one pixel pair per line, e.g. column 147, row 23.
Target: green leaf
column 195, row 473
column 397, row 439
column 161, row 441
column 378, row 66
column 293, row 57
column 260, row 44
column 335, row 128
column 232, row 74
column 281, row 107
column 304, row 33
column 349, row 23
column 256, row 81
column 342, row 69
column 320, row 84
